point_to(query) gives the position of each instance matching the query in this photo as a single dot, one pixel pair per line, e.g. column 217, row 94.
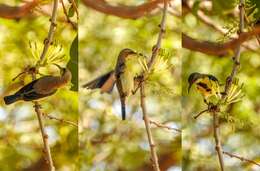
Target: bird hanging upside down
column 206, row 84
column 40, row 88
column 124, row 74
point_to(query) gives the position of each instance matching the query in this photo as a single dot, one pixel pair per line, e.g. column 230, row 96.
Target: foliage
column 20, row 138
column 107, row 142
column 239, row 122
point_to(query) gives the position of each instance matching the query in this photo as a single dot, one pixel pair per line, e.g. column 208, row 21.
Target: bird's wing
column 47, row 84
column 105, row 82
column 27, row 88
column 28, row 92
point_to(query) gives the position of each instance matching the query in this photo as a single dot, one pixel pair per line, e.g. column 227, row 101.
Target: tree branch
column 218, row 146
column 74, row 25
column 207, row 21
column 241, row 158
column 218, row 49
column 159, row 125
column 60, row 120
column 46, row 150
column 142, row 91
column 37, row 107
column 123, row 11
column 228, row 84
column 236, row 58
column 48, row 40
column 148, row 129
column 10, row 12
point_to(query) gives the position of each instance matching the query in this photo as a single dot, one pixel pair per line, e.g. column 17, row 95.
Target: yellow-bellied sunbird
column 206, row 84
column 40, row 88
column 126, row 70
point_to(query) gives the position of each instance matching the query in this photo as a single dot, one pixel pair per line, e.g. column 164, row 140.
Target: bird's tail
column 11, row 99
column 123, row 109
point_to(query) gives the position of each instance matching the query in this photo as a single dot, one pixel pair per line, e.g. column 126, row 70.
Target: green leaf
column 73, row 63
column 223, row 6
column 195, row 7
column 71, row 11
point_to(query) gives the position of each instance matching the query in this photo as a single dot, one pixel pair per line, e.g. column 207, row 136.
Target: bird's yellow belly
column 127, row 82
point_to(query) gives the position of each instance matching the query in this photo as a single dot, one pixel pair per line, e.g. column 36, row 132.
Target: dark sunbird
column 124, row 74
column 207, row 85
column 40, row 88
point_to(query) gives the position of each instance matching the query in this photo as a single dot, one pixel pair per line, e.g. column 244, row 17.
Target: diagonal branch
column 219, row 49
column 10, row 12
column 142, row 90
column 60, row 119
column 46, row 150
column 48, row 40
column 218, row 146
column 123, row 11
column 160, row 125
column 148, row 130
column 227, row 86
column 236, row 58
column 241, row 158
column 37, row 106
column 74, row 25
column 207, row 21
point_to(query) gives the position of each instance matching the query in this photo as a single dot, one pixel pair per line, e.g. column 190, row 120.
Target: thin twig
column 148, row 129
column 46, row 150
column 236, row 58
column 164, row 126
column 48, row 40
column 218, row 146
column 156, row 48
column 241, row 158
column 160, row 36
column 37, row 107
column 74, row 26
column 60, row 120
column 227, row 87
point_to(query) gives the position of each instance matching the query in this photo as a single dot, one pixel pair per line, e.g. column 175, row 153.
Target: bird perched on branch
column 126, row 70
column 206, row 84
column 40, row 88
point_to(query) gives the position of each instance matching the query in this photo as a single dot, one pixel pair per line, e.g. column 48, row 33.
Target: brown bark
column 123, row 11
column 218, row 49
column 16, row 12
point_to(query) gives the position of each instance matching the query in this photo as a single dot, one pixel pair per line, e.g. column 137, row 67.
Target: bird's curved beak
column 62, row 70
column 189, row 87
column 58, row 66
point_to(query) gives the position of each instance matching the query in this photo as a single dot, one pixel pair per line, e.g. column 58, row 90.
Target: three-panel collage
column 136, row 85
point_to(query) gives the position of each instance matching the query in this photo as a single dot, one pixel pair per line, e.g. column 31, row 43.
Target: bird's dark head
column 126, row 52
column 193, row 78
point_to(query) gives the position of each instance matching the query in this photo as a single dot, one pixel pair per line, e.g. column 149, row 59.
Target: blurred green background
column 240, row 136
column 20, row 137
column 106, row 142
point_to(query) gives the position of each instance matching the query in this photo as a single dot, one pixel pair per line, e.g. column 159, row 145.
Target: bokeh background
column 240, row 127
column 106, row 142
column 20, row 137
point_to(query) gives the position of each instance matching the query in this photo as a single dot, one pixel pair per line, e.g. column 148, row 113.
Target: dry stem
column 148, row 129
column 37, row 107
column 241, row 158
column 159, row 125
column 60, row 120
column 156, row 48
